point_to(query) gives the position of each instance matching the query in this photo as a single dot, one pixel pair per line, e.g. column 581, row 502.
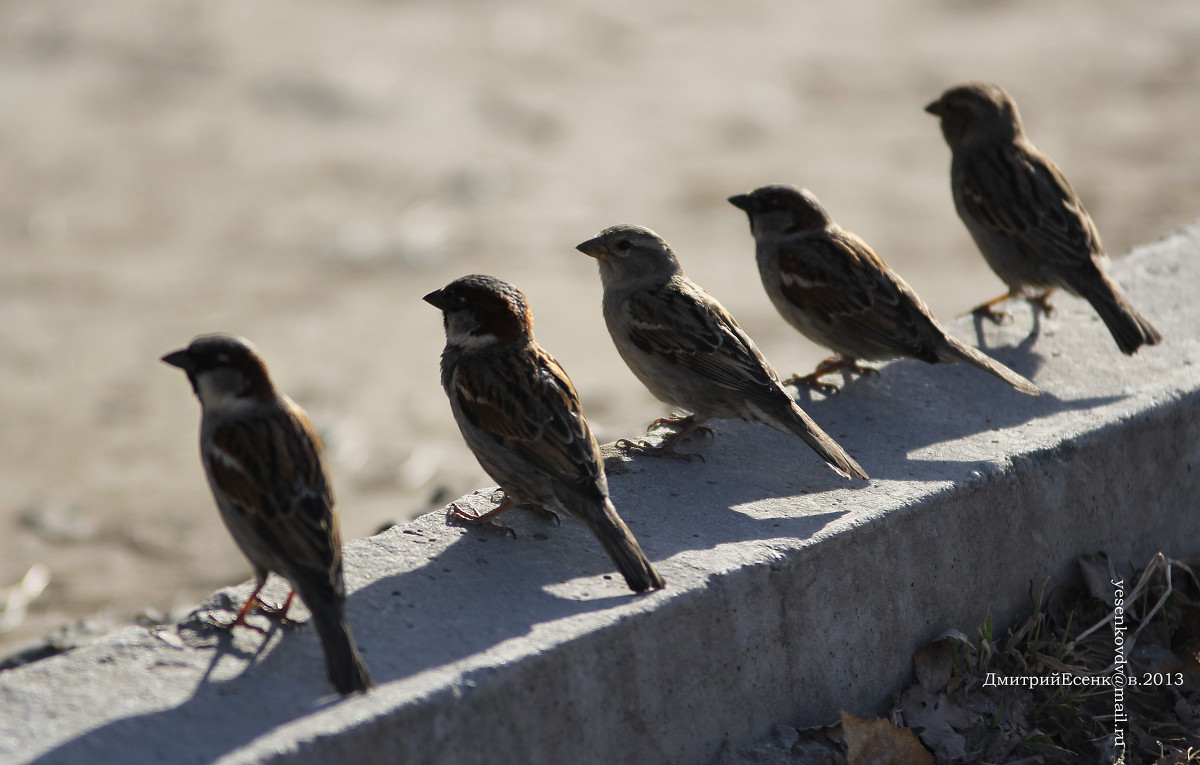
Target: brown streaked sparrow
column 686, row 348
column 521, row 416
column 1024, row 216
column 263, row 462
column 827, row 283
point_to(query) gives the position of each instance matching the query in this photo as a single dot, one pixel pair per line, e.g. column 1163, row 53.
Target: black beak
column 741, row 201
column 593, row 248
column 437, row 299
column 935, row 108
column 179, row 359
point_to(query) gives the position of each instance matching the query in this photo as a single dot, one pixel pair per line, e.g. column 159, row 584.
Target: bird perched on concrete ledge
column 262, row 457
column 521, row 416
column 1023, row 214
column 686, row 348
column 827, row 283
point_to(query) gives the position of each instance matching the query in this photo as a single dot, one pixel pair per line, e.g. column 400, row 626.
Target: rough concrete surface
column 791, row 593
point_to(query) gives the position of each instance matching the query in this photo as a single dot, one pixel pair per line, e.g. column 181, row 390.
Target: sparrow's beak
column 935, row 108
column 740, row 201
column 437, row 299
column 179, row 359
column 593, row 248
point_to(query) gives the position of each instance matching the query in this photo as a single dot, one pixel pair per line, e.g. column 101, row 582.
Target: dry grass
column 963, row 708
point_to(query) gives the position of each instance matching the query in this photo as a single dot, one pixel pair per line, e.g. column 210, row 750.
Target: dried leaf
column 934, row 718
column 872, row 741
column 934, row 663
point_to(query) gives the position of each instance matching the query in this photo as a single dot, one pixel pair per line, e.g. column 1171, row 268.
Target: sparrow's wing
column 1021, row 194
column 269, row 468
column 835, row 277
column 525, row 401
column 684, row 326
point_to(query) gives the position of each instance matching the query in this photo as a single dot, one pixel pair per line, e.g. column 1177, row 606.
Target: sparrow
column 1023, row 214
column 262, row 458
column 520, row 415
column 686, row 348
column 830, row 285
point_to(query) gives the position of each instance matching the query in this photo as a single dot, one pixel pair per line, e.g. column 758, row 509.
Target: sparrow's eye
column 624, row 245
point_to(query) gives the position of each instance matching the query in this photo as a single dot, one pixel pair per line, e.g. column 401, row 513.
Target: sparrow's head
column 631, row 255
column 977, row 109
column 479, row 311
column 780, row 210
column 224, row 370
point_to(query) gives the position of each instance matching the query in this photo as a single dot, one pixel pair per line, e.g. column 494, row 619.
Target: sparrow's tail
column 618, row 542
column 346, row 668
column 797, row 422
column 1128, row 327
column 958, row 352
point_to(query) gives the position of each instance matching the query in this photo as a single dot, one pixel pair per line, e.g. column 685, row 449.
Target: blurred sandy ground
column 302, row 172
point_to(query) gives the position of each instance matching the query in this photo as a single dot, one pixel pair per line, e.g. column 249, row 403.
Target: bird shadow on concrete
column 485, row 588
column 244, row 684
column 911, row 405
column 442, row 594
column 981, row 320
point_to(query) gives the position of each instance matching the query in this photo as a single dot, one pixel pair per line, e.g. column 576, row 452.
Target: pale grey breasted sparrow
column 686, row 348
column 831, row 286
column 1027, row 221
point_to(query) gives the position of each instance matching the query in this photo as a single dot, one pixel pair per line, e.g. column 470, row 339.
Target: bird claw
column 993, row 315
column 1042, row 303
column 545, row 512
column 812, row 381
column 674, row 419
column 277, row 614
column 643, row 447
column 801, row 380
column 472, row 518
column 211, row 620
column 837, row 363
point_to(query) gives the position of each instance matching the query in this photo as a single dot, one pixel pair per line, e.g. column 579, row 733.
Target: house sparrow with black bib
column 521, row 416
column 686, row 348
column 827, row 283
column 263, row 462
column 1024, row 216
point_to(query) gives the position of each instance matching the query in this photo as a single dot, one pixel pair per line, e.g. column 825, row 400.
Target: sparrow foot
column 674, row 419
column 827, row 367
column 666, row 449
column 812, row 381
column 989, row 311
column 240, row 619
column 1042, row 303
column 278, row 614
column 212, row 621
column 545, row 512
column 994, row 315
column 473, row 518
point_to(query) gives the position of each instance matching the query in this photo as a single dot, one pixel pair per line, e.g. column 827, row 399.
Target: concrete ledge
column 791, row 593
